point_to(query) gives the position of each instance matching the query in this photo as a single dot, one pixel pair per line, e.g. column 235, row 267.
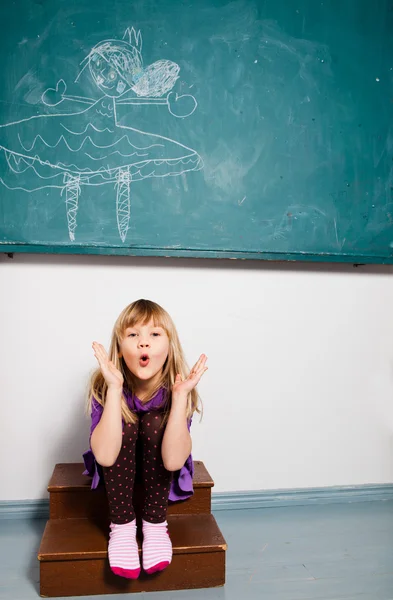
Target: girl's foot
column 123, row 550
column 156, row 547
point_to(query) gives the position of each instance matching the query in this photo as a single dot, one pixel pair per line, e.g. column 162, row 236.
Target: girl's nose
column 143, row 343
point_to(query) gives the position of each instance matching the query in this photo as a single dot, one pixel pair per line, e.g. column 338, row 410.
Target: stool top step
column 69, row 477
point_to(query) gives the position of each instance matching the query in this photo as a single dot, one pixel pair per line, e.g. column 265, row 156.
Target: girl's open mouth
column 144, row 360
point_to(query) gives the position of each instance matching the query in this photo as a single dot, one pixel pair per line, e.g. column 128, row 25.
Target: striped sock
column 156, row 547
column 123, row 550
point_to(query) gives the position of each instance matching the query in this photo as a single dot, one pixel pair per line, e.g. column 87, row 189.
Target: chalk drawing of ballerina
column 90, row 147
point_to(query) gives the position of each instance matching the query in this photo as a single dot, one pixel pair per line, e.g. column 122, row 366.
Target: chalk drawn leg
column 123, row 201
column 72, row 188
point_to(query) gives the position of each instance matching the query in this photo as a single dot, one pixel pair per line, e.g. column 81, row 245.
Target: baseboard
column 301, row 497
column 39, row 509
column 24, row 509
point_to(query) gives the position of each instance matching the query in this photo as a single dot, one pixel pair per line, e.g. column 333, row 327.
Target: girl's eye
column 132, row 335
column 156, row 334
column 112, row 75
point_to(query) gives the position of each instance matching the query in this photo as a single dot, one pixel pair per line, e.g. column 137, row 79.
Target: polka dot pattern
column 119, row 478
column 157, row 479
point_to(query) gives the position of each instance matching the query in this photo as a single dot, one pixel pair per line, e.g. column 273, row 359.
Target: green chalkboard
column 245, row 129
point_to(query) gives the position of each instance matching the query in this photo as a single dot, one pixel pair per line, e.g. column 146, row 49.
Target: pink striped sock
column 123, row 550
column 156, row 547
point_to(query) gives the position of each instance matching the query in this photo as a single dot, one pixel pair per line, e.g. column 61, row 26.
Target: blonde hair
column 141, row 312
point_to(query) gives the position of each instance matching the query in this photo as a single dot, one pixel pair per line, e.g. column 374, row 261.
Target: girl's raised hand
column 112, row 376
column 187, row 385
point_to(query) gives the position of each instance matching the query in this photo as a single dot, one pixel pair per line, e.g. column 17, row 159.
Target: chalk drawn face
column 115, row 67
column 105, row 76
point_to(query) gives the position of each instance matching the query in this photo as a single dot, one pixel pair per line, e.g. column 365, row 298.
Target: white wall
column 300, row 387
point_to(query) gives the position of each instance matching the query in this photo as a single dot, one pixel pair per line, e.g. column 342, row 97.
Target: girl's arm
column 106, row 438
column 176, row 443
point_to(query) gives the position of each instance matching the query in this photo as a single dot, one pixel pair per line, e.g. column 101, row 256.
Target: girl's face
column 144, row 349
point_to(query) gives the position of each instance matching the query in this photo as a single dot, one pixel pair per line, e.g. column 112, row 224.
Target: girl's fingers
column 100, row 351
column 202, row 372
column 202, row 360
column 101, row 359
column 199, row 364
column 195, row 367
column 202, row 368
column 195, row 377
column 101, row 356
column 98, row 346
column 98, row 357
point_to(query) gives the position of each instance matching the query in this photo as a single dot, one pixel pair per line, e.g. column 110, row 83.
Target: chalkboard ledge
column 176, row 252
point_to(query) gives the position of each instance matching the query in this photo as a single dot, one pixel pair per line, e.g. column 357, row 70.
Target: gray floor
column 331, row 552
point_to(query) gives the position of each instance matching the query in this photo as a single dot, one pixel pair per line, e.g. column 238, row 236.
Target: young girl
column 142, row 396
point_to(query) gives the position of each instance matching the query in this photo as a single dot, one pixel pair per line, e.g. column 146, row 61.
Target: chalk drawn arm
column 55, row 96
column 179, row 106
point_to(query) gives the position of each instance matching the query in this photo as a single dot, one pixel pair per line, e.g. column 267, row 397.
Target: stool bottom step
column 85, row 578
column 73, row 559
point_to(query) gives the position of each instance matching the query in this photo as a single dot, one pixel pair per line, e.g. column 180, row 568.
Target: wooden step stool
column 73, row 552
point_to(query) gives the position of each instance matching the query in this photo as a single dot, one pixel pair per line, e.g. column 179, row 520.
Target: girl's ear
column 120, row 355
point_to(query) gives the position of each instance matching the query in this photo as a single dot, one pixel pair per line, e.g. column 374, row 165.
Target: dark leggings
column 120, row 478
